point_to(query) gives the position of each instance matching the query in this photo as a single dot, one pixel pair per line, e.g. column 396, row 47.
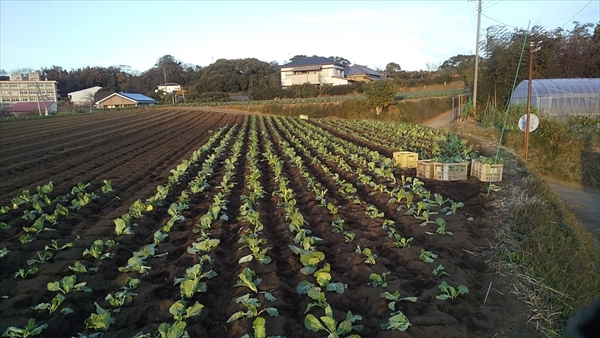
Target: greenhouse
column 560, row 98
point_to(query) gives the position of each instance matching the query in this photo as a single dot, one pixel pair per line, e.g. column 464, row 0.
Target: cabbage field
column 184, row 223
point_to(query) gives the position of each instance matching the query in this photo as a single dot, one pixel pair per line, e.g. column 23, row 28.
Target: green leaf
column 312, row 323
column 259, row 326
column 273, row 312
column 177, row 309
column 337, row 287
column 269, row 296
column 53, row 286
column 189, row 287
column 330, row 323
column 344, row 328
column 194, row 310
column 303, row 287
column 245, row 259
column 236, row 316
column 66, row 311
column 101, row 320
column 246, row 279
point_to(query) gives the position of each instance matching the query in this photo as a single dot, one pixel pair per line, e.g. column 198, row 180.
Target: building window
column 13, row 85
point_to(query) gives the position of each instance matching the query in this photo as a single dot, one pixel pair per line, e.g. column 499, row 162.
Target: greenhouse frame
column 561, row 98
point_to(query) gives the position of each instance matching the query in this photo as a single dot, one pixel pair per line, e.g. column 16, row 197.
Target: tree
column 297, row 57
column 393, row 69
column 4, row 75
column 380, row 94
column 343, row 61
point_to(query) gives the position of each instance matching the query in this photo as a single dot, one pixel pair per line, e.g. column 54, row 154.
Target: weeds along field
column 181, row 223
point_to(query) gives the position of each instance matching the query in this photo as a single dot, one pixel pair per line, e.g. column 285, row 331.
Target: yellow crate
column 487, row 172
column 425, row 168
column 450, row 171
column 405, row 159
column 304, row 117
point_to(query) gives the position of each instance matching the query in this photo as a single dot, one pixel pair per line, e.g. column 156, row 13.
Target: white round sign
column 534, row 122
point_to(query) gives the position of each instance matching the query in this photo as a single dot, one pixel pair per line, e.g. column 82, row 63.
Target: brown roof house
column 357, row 73
column 120, row 100
column 33, row 108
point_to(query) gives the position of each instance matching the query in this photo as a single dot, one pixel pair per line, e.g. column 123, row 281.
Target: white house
column 315, row 70
column 168, row 88
column 83, row 96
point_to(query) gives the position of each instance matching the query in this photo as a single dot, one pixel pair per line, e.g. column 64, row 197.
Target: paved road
column 584, row 204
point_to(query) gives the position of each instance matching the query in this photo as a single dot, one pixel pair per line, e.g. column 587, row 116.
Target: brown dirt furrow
column 139, row 154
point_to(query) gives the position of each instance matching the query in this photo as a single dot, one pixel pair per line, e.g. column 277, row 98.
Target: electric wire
column 505, row 24
column 577, row 14
column 492, row 4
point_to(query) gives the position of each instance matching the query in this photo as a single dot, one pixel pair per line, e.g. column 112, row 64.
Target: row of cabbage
column 374, row 173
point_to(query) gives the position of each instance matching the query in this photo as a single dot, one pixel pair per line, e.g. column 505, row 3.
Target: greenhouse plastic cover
column 561, row 97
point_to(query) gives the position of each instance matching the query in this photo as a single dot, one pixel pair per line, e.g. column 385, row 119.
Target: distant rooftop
column 311, row 61
column 30, row 106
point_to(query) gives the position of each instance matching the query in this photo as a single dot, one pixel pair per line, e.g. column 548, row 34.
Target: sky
column 413, row 34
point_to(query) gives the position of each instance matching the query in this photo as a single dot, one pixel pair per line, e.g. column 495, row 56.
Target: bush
column 328, row 89
column 304, row 90
column 495, row 117
column 380, row 94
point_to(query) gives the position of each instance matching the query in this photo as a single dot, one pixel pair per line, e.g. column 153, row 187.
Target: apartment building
column 27, row 88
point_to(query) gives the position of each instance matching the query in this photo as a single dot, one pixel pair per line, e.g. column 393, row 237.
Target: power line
column 576, row 14
column 492, row 4
column 500, row 22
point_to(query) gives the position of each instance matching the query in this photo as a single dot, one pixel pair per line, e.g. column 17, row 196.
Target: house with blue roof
column 315, row 70
column 121, row 100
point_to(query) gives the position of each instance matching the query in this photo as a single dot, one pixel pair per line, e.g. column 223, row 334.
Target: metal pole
column 476, row 58
column 526, row 143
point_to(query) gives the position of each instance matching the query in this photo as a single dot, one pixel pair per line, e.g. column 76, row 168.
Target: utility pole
column 476, row 57
column 526, row 141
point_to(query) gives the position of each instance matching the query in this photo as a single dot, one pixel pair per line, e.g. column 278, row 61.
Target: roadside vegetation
column 566, row 151
column 539, row 241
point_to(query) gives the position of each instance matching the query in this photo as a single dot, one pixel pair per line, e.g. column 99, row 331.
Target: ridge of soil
column 136, row 151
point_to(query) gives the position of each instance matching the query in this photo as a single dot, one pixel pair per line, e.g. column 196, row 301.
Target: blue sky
column 75, row 34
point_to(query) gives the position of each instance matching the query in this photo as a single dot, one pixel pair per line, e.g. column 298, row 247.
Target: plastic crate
column 450, row 171
column 425, row 168
column 487, row 172
column 406, row 159
column 304, row 117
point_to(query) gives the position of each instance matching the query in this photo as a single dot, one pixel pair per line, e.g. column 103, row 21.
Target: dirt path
column 584, row 204
column 440, row 121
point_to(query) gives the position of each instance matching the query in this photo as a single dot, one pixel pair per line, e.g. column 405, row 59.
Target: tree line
column 557, row 54
column 562, row 54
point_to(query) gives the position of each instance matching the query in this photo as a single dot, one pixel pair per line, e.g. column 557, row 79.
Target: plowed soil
column 136, row 150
